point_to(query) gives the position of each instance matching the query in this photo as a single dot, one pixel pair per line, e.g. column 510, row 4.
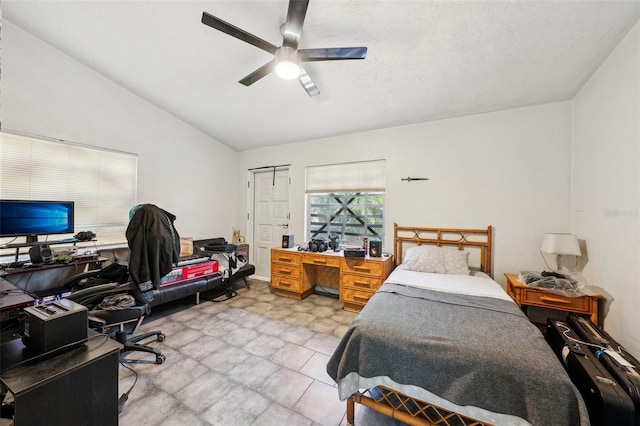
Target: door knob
column 284, row 225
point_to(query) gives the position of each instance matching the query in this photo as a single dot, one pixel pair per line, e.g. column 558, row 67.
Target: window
column 346, row 200
column 102, row 183
column 350, row 215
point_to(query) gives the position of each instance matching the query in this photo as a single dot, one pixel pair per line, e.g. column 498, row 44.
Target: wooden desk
column 531, row 296
column 295, row 273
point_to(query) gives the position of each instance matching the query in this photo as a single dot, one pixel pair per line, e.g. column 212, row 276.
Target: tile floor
column 256, row 359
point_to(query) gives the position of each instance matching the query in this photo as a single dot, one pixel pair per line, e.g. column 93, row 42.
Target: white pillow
column 425, row 259
column 456, row 262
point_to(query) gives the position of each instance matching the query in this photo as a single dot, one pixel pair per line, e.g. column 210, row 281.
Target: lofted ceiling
column 426, row 60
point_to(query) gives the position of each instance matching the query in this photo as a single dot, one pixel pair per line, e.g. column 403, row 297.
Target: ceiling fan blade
column 295, row 19
column 307, row 83
column 332, row 54
column 258, row 74
column 236, row 32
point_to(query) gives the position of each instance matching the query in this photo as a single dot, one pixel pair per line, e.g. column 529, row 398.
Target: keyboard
column 192, row 259
column 68, row 240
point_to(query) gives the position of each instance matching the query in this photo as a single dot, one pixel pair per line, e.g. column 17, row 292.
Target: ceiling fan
column 287, row 58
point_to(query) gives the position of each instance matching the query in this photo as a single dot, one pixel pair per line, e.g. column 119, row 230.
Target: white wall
column 606, row 185
column 180, row 169
column 509, row 169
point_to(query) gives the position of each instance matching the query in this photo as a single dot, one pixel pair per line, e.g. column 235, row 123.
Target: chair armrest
column 95, row 322
column 72, row 281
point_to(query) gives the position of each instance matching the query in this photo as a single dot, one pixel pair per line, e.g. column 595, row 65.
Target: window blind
column 364, row 176
column 102, row 183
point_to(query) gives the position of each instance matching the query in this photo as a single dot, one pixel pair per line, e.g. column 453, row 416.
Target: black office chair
column 154, row 246
column 115, row 301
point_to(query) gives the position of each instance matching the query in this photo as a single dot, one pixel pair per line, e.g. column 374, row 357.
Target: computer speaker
column 375, row 248
column 40, row 253
column 287, row 241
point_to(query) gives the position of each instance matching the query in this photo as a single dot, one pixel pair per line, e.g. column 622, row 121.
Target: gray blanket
column 469, row 350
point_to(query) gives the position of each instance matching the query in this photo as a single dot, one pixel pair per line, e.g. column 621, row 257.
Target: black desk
column 79, row 386
column 47, row 279
column 12, row 300
column 13, row 297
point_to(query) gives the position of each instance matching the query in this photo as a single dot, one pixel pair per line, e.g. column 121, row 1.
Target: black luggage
column 621, row 364
column 607, row 402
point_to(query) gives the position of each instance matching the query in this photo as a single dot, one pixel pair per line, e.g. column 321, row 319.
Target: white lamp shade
column 564, row 244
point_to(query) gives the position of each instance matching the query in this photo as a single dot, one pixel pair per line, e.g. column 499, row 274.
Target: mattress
column 458, row 342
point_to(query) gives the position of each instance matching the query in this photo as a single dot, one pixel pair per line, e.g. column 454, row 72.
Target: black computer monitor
column 31, row 218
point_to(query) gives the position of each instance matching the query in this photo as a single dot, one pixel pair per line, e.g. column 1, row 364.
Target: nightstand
column 525, row 296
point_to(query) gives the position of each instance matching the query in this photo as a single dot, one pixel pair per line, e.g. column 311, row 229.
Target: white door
column 270, row 216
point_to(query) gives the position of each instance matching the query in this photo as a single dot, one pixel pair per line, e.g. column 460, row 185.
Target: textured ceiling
column 426, row 60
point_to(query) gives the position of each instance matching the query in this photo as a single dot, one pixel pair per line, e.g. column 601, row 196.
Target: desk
column 12, row 300
column 47, row 279
column 18, row 246
column 525, row 296
column 79, row 386
column 295, row 273
column 13, row 297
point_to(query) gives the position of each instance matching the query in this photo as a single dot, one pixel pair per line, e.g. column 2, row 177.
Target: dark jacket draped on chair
column 154, row 244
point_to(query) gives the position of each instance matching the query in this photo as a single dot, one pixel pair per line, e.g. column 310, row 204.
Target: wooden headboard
column 472, row 240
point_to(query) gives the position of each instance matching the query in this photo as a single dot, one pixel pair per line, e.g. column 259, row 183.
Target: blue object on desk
column 69, row 240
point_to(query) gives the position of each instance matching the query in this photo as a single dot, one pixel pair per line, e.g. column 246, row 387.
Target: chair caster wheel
column 160, row 359
column 160, row 337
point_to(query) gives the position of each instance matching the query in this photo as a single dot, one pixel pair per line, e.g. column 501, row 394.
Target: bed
column 441, row 343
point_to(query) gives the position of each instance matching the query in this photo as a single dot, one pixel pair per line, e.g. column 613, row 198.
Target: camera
column 333, row 242
column 318, row 245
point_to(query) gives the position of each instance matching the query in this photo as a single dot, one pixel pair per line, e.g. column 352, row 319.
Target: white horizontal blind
column 364, row 176
column 102, row 183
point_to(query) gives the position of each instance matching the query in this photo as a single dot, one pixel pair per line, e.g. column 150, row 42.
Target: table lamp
column 560, row 244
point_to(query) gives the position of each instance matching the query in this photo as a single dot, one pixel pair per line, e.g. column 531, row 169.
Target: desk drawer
column 358, row 266
column 285, row 269
column 550, row 300
column 358, row 297
column 285, row 257
column 360, row 282
column 318, row 259
column 291, row 284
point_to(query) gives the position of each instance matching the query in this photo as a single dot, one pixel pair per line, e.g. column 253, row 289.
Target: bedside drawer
column 360, row 282
column 323, row 260
column 550, row 300
column 349, row 295
column 283, row 283
column 285, row 257
column 285, row 269
column 358, row 266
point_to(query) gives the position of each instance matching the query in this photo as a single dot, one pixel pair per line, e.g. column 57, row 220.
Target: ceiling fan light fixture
column 287, row 66
column 287, row 58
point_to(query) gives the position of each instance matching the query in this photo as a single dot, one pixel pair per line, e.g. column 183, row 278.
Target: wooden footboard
column 408, row 410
